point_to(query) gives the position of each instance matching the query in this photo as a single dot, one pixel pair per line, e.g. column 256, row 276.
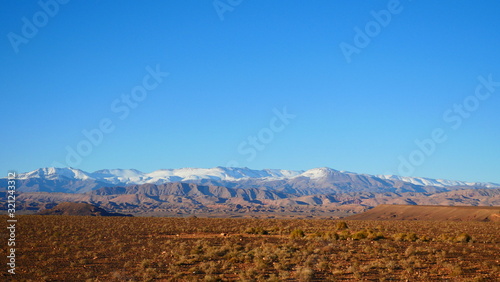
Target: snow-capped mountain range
column 236, row 191
column 133, row 176
column 437, row 182
column 224, row 175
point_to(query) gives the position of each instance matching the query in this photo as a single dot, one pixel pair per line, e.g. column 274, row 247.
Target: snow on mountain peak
column 133, row 176
column 435, row 182
column 54, row 173
column 316, row 173
column 128, row 176
column 219, row 173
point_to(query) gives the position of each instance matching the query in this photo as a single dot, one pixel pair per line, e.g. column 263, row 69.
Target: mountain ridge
column 181, row 199
column 237, row 191
column 223, row 174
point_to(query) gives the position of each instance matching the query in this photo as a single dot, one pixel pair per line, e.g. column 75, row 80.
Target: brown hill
column 68, row 208
column 413, row 212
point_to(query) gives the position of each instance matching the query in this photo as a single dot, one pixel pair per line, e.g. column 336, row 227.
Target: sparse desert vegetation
column 78, row 248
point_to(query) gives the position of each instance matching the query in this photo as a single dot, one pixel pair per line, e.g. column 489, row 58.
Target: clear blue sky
column 227, row 74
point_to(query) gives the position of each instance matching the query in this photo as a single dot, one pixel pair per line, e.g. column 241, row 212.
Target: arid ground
column 86, row 248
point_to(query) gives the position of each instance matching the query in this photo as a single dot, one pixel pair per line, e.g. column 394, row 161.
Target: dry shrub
column 297, row 233
column 341, row 225
column 463, row 238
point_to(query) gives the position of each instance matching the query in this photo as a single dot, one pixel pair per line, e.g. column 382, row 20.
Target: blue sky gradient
column 228, row 76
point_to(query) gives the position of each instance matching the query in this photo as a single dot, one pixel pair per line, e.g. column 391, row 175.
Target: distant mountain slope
column 310, row 182
column 133, row 176
column 437, row 182
column 65, row 185
column 186, row 198
column 190, row 190
column 412, row 212
column 83, row 209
